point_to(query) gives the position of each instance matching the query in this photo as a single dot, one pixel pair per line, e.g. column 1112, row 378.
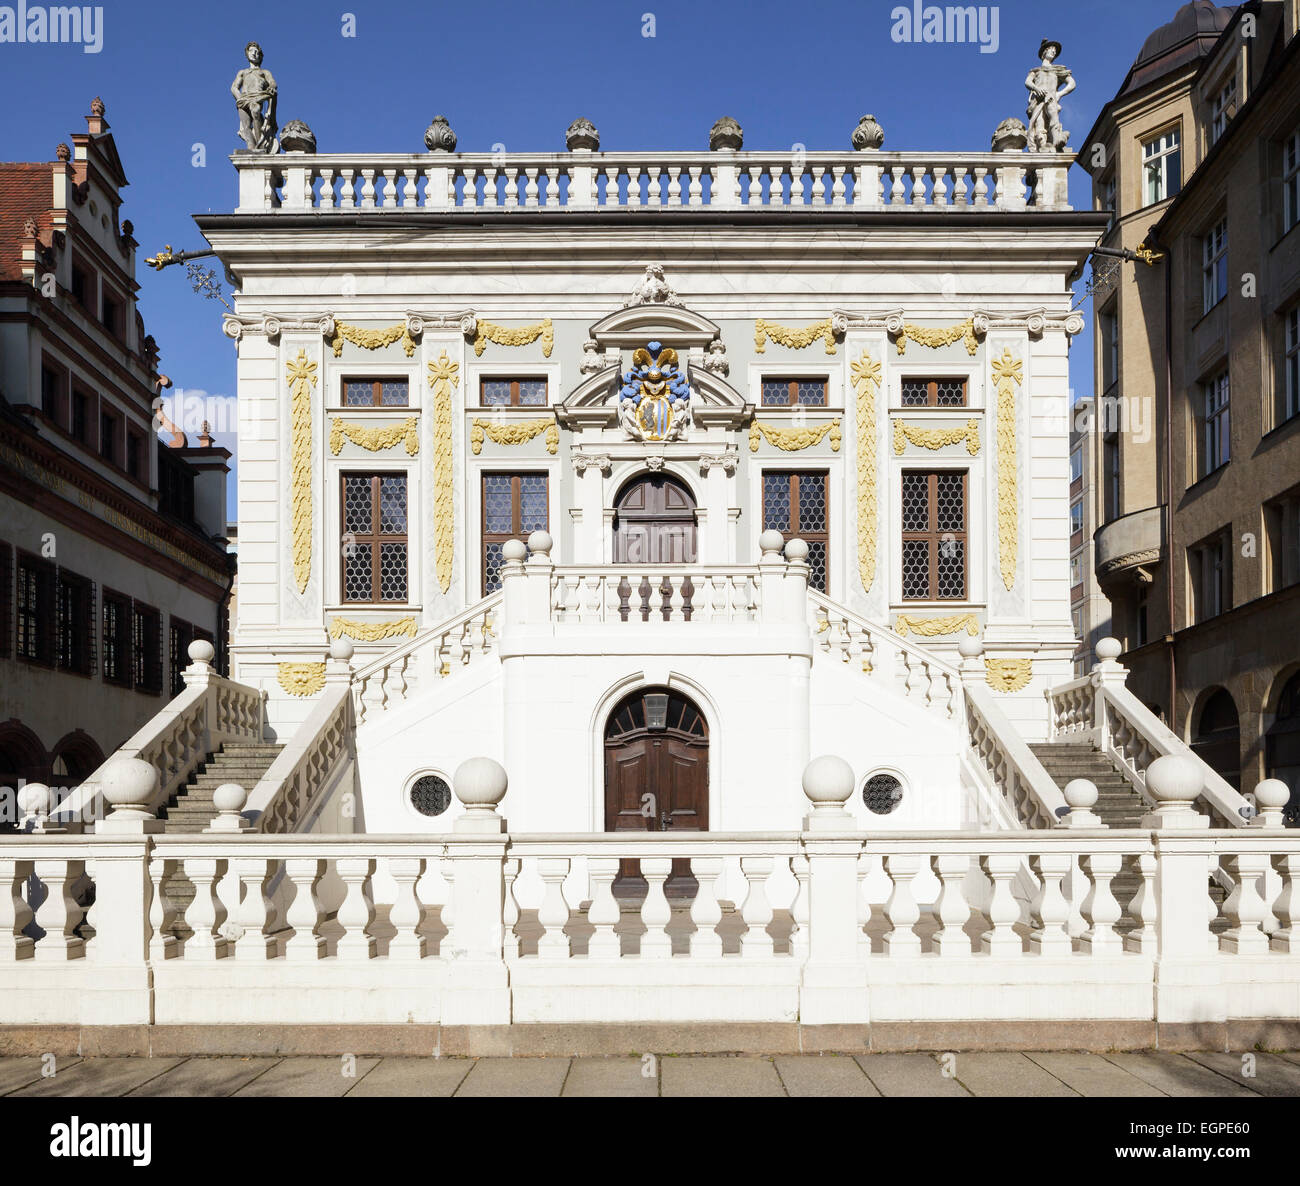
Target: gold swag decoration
column 866, row 381
column 1008, row 675
column 1007, row 376
column 301, row 679
column 302, row 378
column 371, row 339
column 936, row 438
column 376, row 439
column 934, row 627
column 963, row 331
column 518, row 433
column 443, row 376
column 489, row 331
column 372, row 631
column 793, row 339
column 794, row 439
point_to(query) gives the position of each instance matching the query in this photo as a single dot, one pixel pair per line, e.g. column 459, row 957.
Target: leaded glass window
column 374, row 538
column 933, row 393
column 512, row 393
column 934, row 535
column 514, row 506
column 785, row 393
column 795, row 504
column 430, row 795
column 376, row 393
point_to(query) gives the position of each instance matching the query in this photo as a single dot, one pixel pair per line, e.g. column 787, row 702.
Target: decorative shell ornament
column 726, row 133
column 438, row 136
column 868, row 134
column 582, row 136
column 654, row 401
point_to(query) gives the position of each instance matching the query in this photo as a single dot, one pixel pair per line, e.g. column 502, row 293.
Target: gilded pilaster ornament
column 376, row 439
column 372, row 339
column 518, row 433
column 866, row 381
column 1008, row 675
column 372, row 631
column 936, row 438
column 935, row 627
column 489, row 331
column 793, row 339
column 1007, row 377
column 443, row 376
column 963, row 331
column 301, row 679
column 791, row 440
column 302, row 378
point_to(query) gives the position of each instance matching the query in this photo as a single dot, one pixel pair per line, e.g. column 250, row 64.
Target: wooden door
column 654, row 523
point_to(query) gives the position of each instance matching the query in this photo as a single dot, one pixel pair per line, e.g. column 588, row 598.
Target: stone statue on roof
column 1048, row 84
column 254, row 92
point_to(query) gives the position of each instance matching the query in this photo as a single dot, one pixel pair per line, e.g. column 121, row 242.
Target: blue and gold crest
column 654, row 392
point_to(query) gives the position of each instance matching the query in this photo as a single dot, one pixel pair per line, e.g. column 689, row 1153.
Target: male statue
column 252, row 88
column 1048, row 84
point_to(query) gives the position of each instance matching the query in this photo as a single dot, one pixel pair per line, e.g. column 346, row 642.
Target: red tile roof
column 26, row 191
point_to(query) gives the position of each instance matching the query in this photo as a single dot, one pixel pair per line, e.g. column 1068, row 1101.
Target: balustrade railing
column 655, row 593
column 952, row 181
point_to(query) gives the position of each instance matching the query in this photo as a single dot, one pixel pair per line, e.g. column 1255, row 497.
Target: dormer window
column 1222, row 108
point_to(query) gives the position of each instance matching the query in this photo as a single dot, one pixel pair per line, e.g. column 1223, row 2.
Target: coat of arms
column 654, row 402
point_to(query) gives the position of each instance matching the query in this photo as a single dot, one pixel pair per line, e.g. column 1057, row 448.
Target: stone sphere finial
column 341, row 648
column 971, row 646
column 727, row 134
column 296, row 136
column 129, row 786
column 1080, row 793
column 771, row 542
column 868, row 135
column 229, row 798
column 828, row 782
column 582, row 136
column 480, row 784
column 796, row 550
column 514, row 550
column 200, row 651
column 1011, row 135
column 1174, row 778
column 1108, row 650
column 34, row 800
column 540, row 543
column 438, row 136
column 1272, row 794
column 63, row 152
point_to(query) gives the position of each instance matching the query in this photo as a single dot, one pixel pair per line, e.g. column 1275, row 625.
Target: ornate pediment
column 629, row 328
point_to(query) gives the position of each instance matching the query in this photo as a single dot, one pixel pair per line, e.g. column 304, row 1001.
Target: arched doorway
column 656, row 770
column 1218, row 736
column 22, row 760
column 75, row 758
column 654, row 522
column 1282, row 745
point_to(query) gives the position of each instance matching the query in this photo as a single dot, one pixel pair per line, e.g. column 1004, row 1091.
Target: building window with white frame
column 1222, row 108
column 374, row 537
column 1162, row 166
column 1215, row 425
column 1291, row 181
column 1214, row 265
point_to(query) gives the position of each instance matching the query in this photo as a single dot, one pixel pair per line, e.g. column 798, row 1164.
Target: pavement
column 1001, row 1073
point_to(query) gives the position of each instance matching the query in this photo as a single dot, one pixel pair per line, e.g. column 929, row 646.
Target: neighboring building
column 112, row 556
column 1089, row 607
column 1199, row 550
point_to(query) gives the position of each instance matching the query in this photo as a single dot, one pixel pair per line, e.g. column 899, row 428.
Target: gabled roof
column 26, row 191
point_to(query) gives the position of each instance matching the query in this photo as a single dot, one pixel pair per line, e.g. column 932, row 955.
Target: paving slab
column 622, row 1077
column 1007, row 1073
column 1176, row 1074
column 823, row 1075
column 908, row 1075
column 19, row 1072
column 515, row 1077
column 692, row 1076
column 210, row 1076
column 1092, row 1075
column 307, row 1077
column 418, row 1077
column 1273, row 1076
column 100, row 1076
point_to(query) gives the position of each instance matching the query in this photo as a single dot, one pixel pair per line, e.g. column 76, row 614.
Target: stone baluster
column 696, row 193
column 206, row 912
column 901, row 909
column 819, row 185
column 959, row 197
column 799, row 913
column 918, row 185
column 303, row 915
column 654, row 194
column 510, row 914
column 611, row 185
column 256, row 912
column 1050, row 910
column 15, row 913
column 530, row 188
column 603, row 913
column 634, row 185
column 511, row 186
column 553, row 913
column 940, row 197
column 469, row 192
column 551, row 197
column 367, row 189
column 862, row 905
column 1001, row 868
column 1287, row 906
column 674, row 185
column 1142, row 908
column 356, row 914
column 326, row 189
column 953, row 910
column 447, row 912
column 1100, row 909
column 347, row 189
column 162, row 911
column 655, row 911
column 1245, row 909
column 706, row 913
column 390, row 188
column 756, row 910
column 796, row 184
column 980, row 194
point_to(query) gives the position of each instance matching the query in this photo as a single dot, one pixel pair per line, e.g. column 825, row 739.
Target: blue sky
column 518, row 73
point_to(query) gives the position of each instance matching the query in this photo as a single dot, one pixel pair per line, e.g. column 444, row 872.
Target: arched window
column 654, row 522
column 75, row 758
column 1217, row 741
column 22, row 760
column 1282, row 745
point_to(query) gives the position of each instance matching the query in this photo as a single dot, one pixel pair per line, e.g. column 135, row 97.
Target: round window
column 882, row 793
column 430, row 795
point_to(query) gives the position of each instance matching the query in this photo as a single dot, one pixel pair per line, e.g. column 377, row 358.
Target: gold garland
column 443, row 376
column 934, row 627
column 489, row 331
column 866, row 381
column 793, row 339
column 1007, row 376
column 963, row 331
column 1008, row 675
column 302, row 378
column 301, row 679
column 518, row 433
column 371, row 339
column 936, row 438
column 794, row 439
column 376, row 439
column 372, row 631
